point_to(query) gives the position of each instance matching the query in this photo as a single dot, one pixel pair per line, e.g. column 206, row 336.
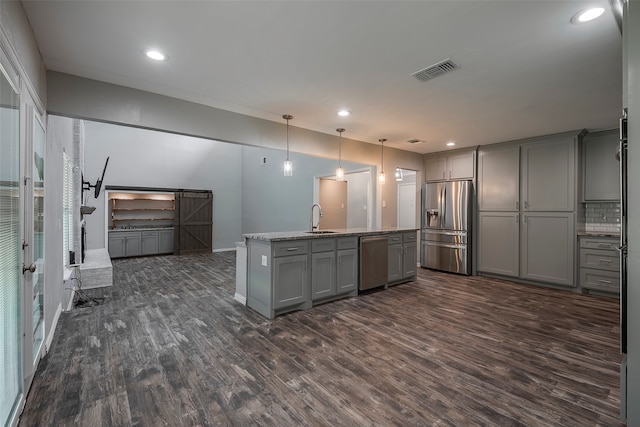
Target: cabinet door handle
column 292, row 249
column 449, row 174
column 517, row 219
column 606, row 282
column 525, row 219
column 443, row 174
column 517, row 205
column 526, row 204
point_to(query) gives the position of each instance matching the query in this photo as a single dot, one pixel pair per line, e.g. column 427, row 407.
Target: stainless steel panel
column 623, row 230
column 444, row 236
column 455, row 206
column 432, row 194
column 446, row 257
column 374, row 265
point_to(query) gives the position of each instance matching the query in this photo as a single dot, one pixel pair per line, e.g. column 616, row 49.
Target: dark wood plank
column 170, row 346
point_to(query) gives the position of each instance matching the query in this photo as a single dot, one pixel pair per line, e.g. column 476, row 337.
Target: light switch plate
column 264, row 260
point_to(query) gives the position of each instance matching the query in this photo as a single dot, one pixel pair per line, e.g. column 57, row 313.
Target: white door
column 407, row 205
column 33, row 242
column 11, row 376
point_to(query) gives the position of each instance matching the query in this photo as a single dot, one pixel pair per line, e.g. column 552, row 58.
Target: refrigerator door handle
column 443, row 207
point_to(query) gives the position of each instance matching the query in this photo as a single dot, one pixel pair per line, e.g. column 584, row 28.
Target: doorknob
column 31, row 268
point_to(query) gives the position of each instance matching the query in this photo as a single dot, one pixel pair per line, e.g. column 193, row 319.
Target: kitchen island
column 295, row 270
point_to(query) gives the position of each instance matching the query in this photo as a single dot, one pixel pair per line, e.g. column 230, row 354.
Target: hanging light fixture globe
column 288, row 166
column 381, row 177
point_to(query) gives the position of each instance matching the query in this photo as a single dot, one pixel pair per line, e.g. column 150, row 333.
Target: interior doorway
column 357, row 202
column 407, row 196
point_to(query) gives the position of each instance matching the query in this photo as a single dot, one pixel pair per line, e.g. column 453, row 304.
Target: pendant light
column 339, row 170
column 288, row 166
column 381, row 176
column 399, row 175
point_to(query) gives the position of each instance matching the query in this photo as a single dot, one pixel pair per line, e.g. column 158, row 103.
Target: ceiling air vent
column 415, row 141
column 436, row 70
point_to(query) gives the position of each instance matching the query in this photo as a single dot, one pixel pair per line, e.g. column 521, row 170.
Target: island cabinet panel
column 548, row 248
column 291, row 286
column 347, row 271
column 323, row 275
column 402, row 256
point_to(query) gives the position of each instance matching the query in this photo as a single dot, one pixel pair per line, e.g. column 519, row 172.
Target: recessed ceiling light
column 450, row 144
column 156, row 55
column 587, row 15
column 344, row 113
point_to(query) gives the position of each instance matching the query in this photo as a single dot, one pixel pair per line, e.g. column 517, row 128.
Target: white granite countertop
column 341, row 232
column 141, row 229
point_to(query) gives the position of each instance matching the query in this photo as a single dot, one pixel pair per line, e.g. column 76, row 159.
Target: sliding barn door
column 193, row 224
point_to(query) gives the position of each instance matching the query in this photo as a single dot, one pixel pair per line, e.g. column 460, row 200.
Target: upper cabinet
column 499, row 179
column 548, row 175
column 601, row 170
column 536, row 176
column 450, row 165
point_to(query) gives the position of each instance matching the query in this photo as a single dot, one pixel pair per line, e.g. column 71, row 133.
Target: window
column 67, row 208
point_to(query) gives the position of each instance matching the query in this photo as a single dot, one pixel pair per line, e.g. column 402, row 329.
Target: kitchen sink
column 320, row 232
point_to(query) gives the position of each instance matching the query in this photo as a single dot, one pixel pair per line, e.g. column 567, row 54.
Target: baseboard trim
column 52, row 330
column 240, row 298
column 223, row 250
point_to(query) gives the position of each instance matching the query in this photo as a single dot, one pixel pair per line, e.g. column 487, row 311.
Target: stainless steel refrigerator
column 446, row 226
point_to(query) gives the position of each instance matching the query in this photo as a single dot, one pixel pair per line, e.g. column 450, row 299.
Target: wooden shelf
column 140, row 209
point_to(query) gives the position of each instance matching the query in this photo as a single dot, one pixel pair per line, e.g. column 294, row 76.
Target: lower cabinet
column 291, row 284
column 131, row 243
column 599, row 264
column 536, row 246
column 149, row 242
column 402, row 256
column 334, row 267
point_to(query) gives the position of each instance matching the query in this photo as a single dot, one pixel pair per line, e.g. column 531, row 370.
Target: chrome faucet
column 317, row 226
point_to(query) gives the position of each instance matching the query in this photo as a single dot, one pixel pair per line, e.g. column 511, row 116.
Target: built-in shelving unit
column 140, row 210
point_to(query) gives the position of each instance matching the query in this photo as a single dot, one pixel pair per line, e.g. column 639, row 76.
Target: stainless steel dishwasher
column 374, row 265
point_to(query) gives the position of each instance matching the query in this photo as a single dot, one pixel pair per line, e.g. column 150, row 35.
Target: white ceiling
column 525, row 69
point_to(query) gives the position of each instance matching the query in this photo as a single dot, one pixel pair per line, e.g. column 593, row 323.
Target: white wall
column 357, row 198
column 145, row 158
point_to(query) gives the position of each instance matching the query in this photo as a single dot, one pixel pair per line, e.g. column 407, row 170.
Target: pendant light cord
column 382, row 140
column 340, row 130
column 287, row 117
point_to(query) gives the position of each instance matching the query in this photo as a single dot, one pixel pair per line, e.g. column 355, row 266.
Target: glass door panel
column 38, row 236
column 10, row 273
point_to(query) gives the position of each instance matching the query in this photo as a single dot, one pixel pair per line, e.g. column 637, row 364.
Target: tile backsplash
column 600, row 216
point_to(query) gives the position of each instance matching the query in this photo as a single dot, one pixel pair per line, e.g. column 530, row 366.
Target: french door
column 11, row 347
column 33, row 242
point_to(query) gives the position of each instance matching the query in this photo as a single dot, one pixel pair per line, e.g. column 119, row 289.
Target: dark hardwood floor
column 169, row 346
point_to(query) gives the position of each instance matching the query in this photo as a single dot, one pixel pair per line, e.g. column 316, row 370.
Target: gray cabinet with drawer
column 599, row 264
column 403, row 256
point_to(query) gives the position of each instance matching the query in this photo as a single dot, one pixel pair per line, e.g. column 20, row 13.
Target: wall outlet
column 264, row 260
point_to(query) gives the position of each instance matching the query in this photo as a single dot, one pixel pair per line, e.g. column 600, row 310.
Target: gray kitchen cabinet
column 165, row 241
column 499, row 179
column 149, row 242
column 449, row 166
column 499, row 243
column 410, row 260
column 601, row 170
column 599, row 266
column 117, row 247
column 402, row 256
column 124, row 244
column 396, row 262
column 347, row 271
column 323, row 268
column 291, row 285
column 277, row 276
column 133, row 244
column 548, row 175
column 547, row 247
